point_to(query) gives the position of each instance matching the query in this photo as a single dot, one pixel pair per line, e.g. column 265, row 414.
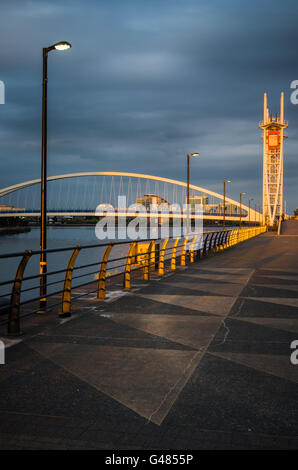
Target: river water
column 58, row 237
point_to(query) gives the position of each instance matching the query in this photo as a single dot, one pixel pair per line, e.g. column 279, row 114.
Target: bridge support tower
column 273, row 154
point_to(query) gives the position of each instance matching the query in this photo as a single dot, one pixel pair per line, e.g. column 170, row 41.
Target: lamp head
column 194, row 154
column 62, row 46
column 59, row 46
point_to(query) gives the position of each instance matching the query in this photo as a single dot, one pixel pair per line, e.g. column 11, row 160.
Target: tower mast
column 273, row 140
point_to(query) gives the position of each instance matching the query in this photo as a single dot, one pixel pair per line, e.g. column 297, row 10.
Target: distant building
column 151, row 200
column 231, row 209
column 212, row 208
column 9, row 208
column 197, row 200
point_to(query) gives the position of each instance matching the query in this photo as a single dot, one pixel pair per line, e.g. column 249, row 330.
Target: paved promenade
column 199, row 359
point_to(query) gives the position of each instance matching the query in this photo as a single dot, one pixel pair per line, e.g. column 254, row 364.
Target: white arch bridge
column 79, row 194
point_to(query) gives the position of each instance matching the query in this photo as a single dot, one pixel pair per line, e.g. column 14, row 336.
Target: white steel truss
column 273, row 145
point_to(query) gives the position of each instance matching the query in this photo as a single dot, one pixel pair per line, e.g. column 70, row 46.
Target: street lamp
column 251, row 199
column 255, row 214
column 241, row 208
column 194, row 154
column 59, row 46
column 224, row 209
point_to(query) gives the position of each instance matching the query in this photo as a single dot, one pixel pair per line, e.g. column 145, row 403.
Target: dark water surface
column 58, row 237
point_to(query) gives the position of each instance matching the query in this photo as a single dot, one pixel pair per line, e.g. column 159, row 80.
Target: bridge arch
column 26, row 184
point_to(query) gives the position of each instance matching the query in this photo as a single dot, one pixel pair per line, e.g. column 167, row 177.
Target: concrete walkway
column 197, row 360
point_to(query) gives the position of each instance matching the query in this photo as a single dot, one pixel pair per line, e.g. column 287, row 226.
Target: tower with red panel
column 273, row 156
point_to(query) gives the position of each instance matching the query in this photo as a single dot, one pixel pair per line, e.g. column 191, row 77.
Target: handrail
column 156, row 256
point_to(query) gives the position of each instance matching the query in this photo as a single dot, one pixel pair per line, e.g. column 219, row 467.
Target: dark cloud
column 146, row 82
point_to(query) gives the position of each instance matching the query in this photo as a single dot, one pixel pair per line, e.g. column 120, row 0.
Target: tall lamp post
column 194, row 154
column 255, row 214
column 224, row 208
column 241, row 208
column 60, row 46
column 251, row 199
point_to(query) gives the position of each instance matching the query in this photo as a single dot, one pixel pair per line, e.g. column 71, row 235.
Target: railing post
column 14, row 311
column 101, row 286
column 161, row 264
column 226, row 239
column 148, row 259
column 200, row 244
column 229, row 238
column 237, row 236
column 173, row 258
column 152, row 251
column 157, row 247
column 221, row 240
column 127, row 270
column 232, row 237
column 205, row 243
column 212, row 242
column 191, row 257
column 217, row 241
column 183, row 253
column 66, row 295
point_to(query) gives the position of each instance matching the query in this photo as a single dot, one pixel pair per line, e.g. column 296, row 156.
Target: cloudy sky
column 146, row 82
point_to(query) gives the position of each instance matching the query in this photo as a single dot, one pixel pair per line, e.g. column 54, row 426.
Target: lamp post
column 224, row 208
column 60, row 46
column 241, row 208
column 255, row 214
column 251, row 199
column 194, row 154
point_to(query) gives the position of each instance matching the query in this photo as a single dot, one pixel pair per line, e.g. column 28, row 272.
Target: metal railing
column 279, row 226
column 158, row 256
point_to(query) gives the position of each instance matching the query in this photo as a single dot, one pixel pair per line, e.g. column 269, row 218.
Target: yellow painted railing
column 146, row 256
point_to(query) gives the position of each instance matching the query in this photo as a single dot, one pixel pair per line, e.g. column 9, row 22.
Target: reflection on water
column 58, row 237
